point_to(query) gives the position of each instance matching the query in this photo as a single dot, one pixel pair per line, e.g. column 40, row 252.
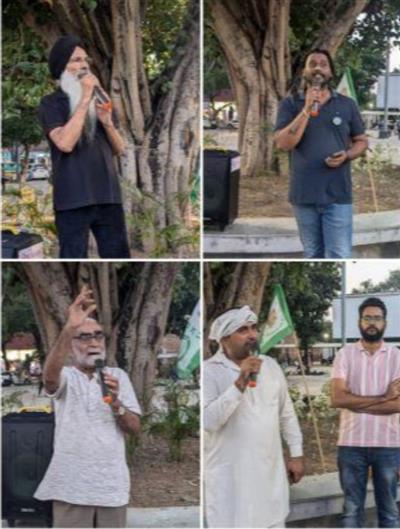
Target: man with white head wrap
column 246, row 480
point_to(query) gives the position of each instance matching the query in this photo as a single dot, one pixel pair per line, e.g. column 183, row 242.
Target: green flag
column 189, row 353
column 279, row 323
column 346, row 85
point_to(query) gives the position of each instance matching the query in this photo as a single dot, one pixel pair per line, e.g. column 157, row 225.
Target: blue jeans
column 325, row 231
column 354, row 463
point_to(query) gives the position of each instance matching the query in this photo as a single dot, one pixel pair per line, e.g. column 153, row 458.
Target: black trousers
column 105, row 221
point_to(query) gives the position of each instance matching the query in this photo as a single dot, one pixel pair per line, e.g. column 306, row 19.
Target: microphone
column 252, row 383
column 107, row 397
column 102, row 98
column 98, row 94
column 316, row 83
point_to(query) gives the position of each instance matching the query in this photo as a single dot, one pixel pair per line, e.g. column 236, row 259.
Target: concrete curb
column 317, row 496
column 164, row 517
column 159, row 517
column 279, row 236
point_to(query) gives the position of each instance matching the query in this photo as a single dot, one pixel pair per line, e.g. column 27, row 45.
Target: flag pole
column 312, row 411
column 372, row 183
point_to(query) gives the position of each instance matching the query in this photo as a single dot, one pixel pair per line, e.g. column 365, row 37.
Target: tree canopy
column 391, row 284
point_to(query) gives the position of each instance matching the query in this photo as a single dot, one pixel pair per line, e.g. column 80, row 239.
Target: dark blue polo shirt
column 87, row 176
column 312, row 182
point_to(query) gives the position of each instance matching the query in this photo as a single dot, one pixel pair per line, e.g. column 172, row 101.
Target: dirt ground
column 266, row 196
column 158, row 482
column 329, row 434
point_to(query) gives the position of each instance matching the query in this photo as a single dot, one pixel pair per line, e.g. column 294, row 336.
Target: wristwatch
column 120, row 412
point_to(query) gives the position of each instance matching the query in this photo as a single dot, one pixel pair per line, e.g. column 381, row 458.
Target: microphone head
column 99, row 363
column 256, row 348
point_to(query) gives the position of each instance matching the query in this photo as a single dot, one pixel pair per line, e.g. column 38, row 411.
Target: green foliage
column 391, row 284
column 364, row 48
column 215, row 71
column 25, row 82
column 10, row 403
column 133, row 442
column 309, row 290
column 176, row 236
column 184, row 297
column 17, row 314
column 179, row 421
column 378, row 163
column 162, row 20
column 30, row 210
column 320, row 403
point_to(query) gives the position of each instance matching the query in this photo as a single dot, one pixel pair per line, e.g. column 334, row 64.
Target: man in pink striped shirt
column 366, row 386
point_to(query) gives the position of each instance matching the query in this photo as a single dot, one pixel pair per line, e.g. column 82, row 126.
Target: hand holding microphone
column 91, row 83
column 253, row 375
column 105, row 390
column 313, row 103
column 249, row 368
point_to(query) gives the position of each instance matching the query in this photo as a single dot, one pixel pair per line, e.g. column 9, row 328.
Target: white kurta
column 245, row 475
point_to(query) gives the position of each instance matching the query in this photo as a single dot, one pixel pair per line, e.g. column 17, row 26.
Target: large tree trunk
column 254, row 39
column 143, row 318
column 133, row 318
column 246, row 287
column 160, row 128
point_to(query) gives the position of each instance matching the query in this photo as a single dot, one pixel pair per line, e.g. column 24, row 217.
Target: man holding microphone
column 88, row 478
column 83, row 135
column 246, row 477
column 324, row 132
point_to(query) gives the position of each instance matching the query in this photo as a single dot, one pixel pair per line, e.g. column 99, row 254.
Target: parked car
column 233, row 124
column 9, row 170
column 6, row 379
column 209, row 124
column 38, row 172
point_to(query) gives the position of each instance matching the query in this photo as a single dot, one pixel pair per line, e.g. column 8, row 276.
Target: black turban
column 61, row 52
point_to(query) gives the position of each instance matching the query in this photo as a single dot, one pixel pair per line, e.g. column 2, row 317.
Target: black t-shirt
column 312, row 182
column 86, row 176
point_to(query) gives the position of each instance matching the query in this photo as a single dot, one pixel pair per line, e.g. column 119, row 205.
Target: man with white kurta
column 88, row 479
column 246, row 478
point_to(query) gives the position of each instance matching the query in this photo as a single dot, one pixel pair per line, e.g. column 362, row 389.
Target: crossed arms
column 386, row 404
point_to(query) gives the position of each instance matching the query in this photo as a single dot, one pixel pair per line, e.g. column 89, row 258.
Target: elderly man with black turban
column 83, row 134
column 245, row 473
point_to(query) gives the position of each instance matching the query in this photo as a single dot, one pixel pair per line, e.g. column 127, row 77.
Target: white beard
column 71, row 85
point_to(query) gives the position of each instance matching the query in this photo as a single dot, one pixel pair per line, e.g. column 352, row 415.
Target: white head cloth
column 231, row 321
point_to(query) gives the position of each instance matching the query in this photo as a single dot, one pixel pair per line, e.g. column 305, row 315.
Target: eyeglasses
column 85, row 337
column 375, row 319
column 80, row 60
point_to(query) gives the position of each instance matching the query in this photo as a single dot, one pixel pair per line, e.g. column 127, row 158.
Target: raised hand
column 81, row 308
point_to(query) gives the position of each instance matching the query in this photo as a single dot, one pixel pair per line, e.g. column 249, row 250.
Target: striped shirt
column 368, row 375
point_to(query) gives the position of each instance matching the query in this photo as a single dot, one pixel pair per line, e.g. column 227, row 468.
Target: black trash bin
column 27, row 449
column 21, row 246
column 221, row 170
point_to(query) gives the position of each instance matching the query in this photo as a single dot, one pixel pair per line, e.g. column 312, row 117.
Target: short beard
column 83, row 361
column 371, row 338
column 308, row 81
column 70, row 84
